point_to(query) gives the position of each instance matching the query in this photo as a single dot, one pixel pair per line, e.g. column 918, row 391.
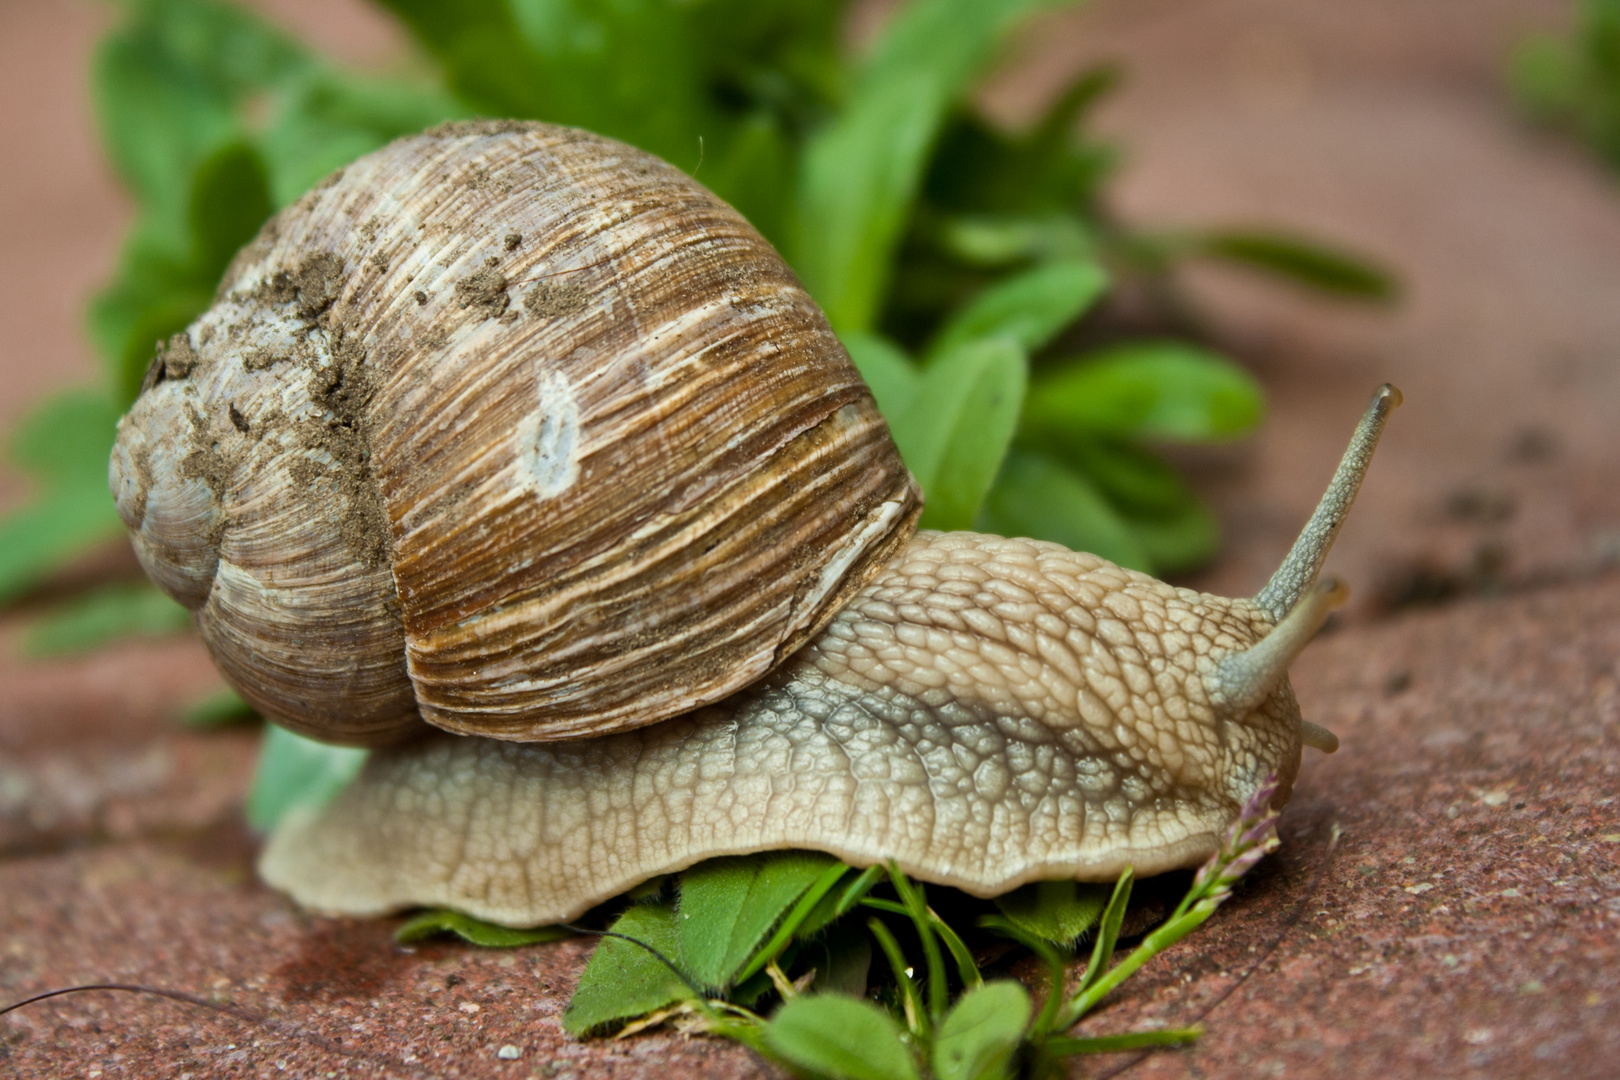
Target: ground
column 1447, row 897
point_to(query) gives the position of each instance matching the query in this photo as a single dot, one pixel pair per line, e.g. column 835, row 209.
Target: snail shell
column 512, row 429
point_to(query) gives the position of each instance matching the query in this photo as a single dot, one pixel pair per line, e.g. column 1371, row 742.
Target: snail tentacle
column 1242, row 679
column 1298, row 571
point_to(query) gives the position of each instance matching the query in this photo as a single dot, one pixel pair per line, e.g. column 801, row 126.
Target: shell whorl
column 510, row 428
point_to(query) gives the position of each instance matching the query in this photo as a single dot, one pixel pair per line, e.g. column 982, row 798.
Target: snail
column 516, row 432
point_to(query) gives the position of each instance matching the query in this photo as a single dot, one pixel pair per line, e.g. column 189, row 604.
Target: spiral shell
column 512, row 429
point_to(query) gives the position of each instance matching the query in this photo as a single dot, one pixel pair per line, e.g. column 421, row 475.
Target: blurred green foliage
column 1574, row 81
column 955, row 257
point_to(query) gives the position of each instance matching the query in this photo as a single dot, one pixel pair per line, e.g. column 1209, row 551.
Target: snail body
column 518, row 433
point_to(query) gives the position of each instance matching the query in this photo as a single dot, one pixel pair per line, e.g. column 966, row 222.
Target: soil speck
column 484, row 289
column 549, row 299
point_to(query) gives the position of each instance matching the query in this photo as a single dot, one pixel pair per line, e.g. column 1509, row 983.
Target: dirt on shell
column 212, row 460
column 345, row 388
column 485, row 290
column 174, row 359
column 549, row 299
column 315, row 284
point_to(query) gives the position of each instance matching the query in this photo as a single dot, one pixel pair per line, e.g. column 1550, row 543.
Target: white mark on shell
column 548, row 439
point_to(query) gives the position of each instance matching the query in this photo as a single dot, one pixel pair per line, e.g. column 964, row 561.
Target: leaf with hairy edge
column 840, row 1038
column 728, row 905
column 981, row 1033
column 1055, row 911
column 958, row 426
column 1149, row 390
column 297, row 774
column 1031, row 308
column 623, row 979
column 486, row 934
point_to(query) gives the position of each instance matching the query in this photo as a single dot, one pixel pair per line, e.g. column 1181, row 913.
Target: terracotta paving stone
column 1466, row 923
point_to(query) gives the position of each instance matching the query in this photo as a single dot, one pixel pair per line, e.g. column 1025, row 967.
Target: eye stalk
column 1298, row 571
column 1244, row 678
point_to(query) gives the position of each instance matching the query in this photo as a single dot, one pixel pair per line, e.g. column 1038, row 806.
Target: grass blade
column 1134, row 1040
column 916, row 1017
column 917, row 908
column 1102, row 954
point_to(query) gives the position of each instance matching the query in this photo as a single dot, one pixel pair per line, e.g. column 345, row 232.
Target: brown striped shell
column 512, row 429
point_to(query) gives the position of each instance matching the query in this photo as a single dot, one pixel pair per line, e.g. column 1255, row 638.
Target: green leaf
column 151, row 298
column 1168, row 528
column 957, row 428
column 49, row 532
column 295, row 773
column 1001, row 239
column 792, row 927
column 981, row 168
column 842, row 958
column 915, row 903
column 981, row 1033
column 1149, row 390
column 753, row 171
column 1326, row 269
column 840, row 1038
column 855, row 189
column 105, row 615
column 327, row 119
column 728, row 905
column 1177, row 540
column 66, row 439
column 1041, row 498
column 1057, row 911
column 157, row 118
column 860, row 173
column 1543, row 72
column 1031, row 308
column 623, row 980
column 488, row 935
column 220, row 709
column 63, row 444
column 230, row 199
column 1055, row 961
column 889, row 373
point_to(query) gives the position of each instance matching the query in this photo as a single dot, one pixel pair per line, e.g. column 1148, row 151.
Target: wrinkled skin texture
column 986, row 712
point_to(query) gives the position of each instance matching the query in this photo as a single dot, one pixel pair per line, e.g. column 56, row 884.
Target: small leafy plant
column 1574, row 82
column 777, row 952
